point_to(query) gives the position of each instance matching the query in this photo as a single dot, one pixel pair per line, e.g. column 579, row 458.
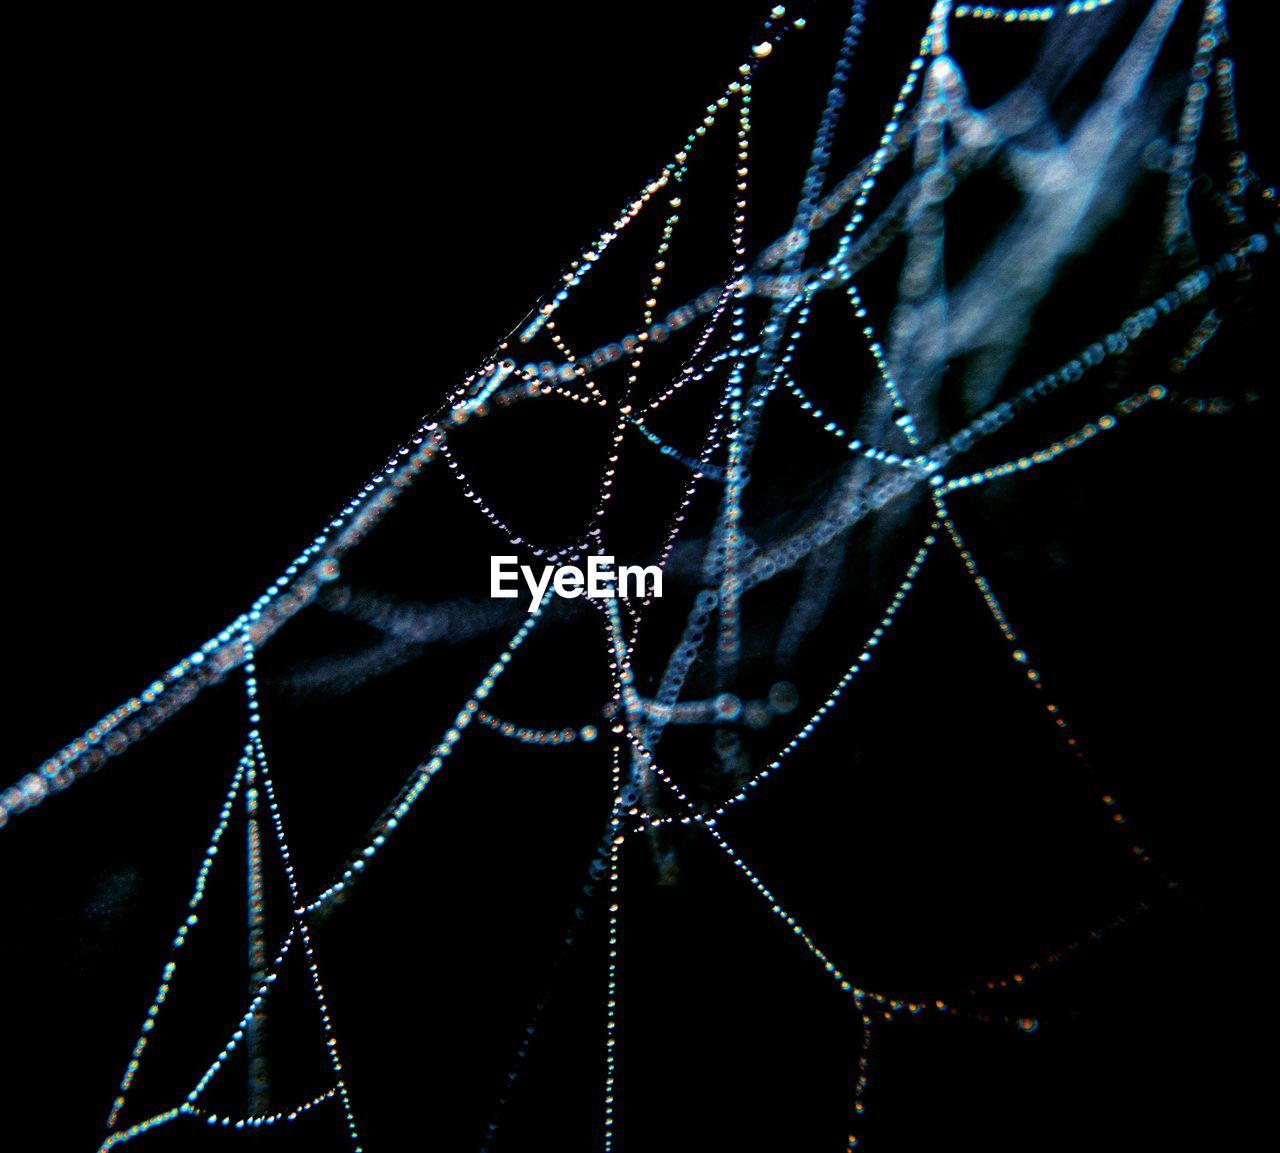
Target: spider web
column 852, row 327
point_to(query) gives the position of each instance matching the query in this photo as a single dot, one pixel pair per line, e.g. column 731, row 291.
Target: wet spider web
column 861, row 328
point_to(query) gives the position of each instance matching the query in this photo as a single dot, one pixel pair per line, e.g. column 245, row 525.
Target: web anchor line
column 252, row 769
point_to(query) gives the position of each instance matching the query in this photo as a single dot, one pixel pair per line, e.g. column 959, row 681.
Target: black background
column 248, row 256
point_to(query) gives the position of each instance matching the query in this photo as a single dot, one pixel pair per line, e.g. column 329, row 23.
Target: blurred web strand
column 897, row 447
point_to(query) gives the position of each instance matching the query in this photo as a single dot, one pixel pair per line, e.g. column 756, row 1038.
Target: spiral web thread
column 898, row 450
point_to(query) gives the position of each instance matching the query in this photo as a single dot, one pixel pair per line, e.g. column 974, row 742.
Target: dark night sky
column 248, row 255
